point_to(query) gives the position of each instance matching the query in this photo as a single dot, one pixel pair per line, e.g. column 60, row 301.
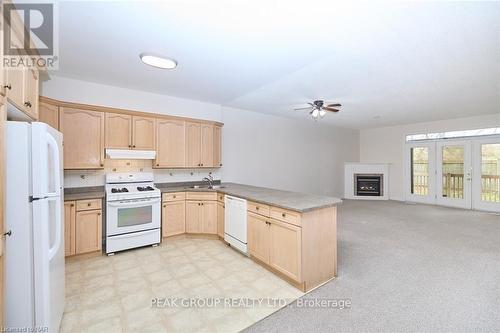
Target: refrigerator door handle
column 52, row 143
column 57, row 242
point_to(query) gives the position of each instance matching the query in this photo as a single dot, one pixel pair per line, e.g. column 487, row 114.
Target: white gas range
column 133, row 213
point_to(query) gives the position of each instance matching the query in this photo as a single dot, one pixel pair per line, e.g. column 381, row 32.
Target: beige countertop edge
column 84, row 195
column 335, row 201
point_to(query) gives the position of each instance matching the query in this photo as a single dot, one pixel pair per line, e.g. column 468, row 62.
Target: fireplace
column 368, row 185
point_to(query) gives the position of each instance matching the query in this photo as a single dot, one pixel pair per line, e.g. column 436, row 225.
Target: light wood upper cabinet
column 69, row 228
column 217, row 146
column 118, row 131
column 49, row 114
column 220, row 219
column 170, row 143
column 31, row 81
column 83, row 138
column 88, row 231
column 285, row 249
column 124, row 131
column 193, row 145
column 258, row 237
column 143, row 133
column 207, row 145
column 193, row 217
column 209, row 217
column 173, row 218
column 21, row 85
column 14, row 79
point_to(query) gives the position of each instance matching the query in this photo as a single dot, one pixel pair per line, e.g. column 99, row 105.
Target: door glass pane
column 453, row 172
column 420, row 170
column 490, row 172
column 134, row 216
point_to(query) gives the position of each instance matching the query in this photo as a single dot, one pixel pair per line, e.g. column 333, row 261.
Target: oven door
column 132, row 215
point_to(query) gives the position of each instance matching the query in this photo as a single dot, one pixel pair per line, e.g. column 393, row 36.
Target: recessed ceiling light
column 158, row 61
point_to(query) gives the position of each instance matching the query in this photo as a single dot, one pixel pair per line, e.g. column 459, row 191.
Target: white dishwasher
column 235, row 223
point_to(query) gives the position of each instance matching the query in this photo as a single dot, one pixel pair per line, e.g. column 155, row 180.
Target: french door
column 456, row 173
column 486, row 178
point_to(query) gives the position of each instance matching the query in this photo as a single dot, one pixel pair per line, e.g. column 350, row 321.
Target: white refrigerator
column 34, row 252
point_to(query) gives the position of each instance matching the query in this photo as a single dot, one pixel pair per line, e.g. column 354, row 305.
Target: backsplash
column 83, row 178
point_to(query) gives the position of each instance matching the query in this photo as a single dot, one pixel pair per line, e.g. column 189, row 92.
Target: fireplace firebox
column 368, row 184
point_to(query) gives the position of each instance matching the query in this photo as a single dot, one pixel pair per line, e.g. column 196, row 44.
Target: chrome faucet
column 210, row 181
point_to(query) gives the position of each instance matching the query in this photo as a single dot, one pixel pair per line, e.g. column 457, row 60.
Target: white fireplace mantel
column 352, row 168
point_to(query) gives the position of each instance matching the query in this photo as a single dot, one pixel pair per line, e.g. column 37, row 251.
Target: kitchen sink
column 215, row 187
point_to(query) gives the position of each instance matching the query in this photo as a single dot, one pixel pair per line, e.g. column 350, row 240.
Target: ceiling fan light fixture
column 322, row 113
column 315, row 113
column 158, row 61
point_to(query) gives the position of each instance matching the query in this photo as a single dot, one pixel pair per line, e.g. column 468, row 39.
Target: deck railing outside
column 453, row 185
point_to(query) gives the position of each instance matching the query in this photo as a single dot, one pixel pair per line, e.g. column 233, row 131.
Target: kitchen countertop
column 299, row 202
column 82, row 193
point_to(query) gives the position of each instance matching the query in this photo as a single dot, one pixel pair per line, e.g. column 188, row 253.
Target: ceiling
column 387, row 63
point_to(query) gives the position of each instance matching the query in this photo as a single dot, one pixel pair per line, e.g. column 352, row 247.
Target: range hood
column 129, row 154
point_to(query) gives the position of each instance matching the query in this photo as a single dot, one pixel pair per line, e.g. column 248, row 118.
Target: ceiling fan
column 319, row 108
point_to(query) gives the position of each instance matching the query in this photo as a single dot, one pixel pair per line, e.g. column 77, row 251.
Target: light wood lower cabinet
column 302, row 247
column 201, row 217
column 174, row 218
column 275, row 243
column 285, row 248
column 209, row 217
column 69, row 228
column 83, row 226
column 220, row 218
column 259, row 238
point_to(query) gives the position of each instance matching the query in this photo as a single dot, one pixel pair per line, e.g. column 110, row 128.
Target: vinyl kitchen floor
column 114, row 294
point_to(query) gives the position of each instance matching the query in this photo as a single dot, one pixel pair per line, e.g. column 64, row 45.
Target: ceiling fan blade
column 306, row 108
column 333, row 105
column 330, row 109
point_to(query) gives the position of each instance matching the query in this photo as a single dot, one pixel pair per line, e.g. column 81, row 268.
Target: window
column 454, row 134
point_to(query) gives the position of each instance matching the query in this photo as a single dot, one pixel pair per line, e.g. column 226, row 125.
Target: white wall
column 258, row 149
column 270, row 151
column 99, row 94
column 386, row 145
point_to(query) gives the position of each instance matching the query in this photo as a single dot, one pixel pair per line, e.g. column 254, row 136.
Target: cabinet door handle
column 133, row 146
column 98, row 214
column 175, row 196
column 8, row 86
column 72, row 205
column 28, row 104
column 257, row 208
column 157, row 164
column 164, row 206
column 283, row 214
column 89, row 204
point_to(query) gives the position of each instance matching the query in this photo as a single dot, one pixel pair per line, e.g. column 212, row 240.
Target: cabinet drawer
column 175, row 196
column 220, row 197
column 258, row 208
column 209, row 196
column 88, row 204
column 285, row 215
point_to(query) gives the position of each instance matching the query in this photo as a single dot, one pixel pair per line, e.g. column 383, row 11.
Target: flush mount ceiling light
column 158, row 61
